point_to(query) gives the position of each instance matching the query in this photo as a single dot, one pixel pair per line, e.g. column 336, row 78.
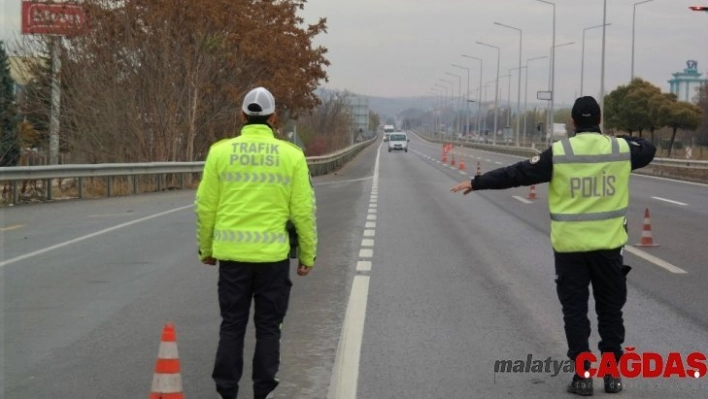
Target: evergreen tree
column 9, row 144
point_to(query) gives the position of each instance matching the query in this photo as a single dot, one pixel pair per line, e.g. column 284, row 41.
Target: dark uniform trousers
column 605, row 270
column 269, row 285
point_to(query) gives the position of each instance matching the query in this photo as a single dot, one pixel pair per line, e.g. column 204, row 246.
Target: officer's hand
column 303, row 270
column 209, row 261
column 466, row 185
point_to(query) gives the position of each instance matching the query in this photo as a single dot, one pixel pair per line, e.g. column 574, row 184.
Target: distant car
column 398, row 142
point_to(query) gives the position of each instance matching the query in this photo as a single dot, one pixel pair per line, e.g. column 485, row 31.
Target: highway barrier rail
column 162, row 175
column 679, row 169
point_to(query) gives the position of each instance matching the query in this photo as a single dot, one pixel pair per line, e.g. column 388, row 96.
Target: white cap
column 258, row 101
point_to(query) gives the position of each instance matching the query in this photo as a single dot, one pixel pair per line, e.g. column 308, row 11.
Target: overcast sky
column 395, row 48
column 402, row 47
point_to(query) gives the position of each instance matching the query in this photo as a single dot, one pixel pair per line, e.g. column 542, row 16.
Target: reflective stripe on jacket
column 251, row 186
column 589, row 193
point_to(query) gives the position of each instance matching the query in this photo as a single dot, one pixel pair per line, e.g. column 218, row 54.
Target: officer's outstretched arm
column 205, row 206
column 303, row 209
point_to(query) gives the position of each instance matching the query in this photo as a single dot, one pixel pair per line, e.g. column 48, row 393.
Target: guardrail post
column 159, row 182
column 136, row 183
column 48, row 183
column 109, row 179
column 15, row 193
column 80, row 187
column 181, row 181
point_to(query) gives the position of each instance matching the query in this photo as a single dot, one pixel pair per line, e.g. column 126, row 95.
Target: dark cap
column 586, row 111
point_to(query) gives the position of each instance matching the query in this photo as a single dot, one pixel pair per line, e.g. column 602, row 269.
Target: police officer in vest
column 252, row 185
column 588, row 200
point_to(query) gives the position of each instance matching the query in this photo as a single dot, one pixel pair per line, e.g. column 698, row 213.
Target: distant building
column 685, row 84
column 359, row 108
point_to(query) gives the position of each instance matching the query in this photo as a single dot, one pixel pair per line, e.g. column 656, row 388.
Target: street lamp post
column 602, row 70
column 518, row 92
column 479, row 101
column 553, row 61
column 508, row 99
column 467, row 97
column 459, row 94
column 582, row 57
column 634, row 19
column 444, row 103
column 496, row 92
column 551, row 116
column 452, row 96
column 526, row 92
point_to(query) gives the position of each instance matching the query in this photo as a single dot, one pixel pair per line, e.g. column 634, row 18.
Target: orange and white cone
column 462, row 164
column 479, row 170
column 452, row 163
column 647, row 239
column 167, row 380
column 532, row 193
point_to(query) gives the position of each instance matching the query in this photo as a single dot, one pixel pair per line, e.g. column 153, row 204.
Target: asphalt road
column 455, row 284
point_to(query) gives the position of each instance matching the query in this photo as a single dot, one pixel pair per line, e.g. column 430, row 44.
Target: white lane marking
column 369, row 233
column 367, row 242
column 87, row 236
column 671, row 201
column 370, row 225
column 373, row 205
column 498, row 163
column 653, row 259
column 363, row 266
column 522, row 199
column 12, row 227
column 372, row 210
column 370, row 217
column 342, row 181
column 462, row 172
column 345, row 376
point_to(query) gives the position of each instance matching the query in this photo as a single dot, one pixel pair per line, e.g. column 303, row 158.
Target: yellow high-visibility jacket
column 589, row 193
column 251, row 186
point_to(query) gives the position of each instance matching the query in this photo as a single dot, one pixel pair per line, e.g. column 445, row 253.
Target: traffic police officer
column 252, row 185
column 588, row 199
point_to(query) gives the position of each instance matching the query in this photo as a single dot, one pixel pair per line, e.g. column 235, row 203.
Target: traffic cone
column 532, row 193
column 462, row 164
column 452, row 163
column 479, row 170
column 647, row 240
column 167, row 380
column 444, row 157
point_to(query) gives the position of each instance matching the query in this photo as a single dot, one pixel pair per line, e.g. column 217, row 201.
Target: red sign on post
column 52, row 18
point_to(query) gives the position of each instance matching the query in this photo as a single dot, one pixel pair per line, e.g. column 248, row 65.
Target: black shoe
column 612, row 384
column 581, row 386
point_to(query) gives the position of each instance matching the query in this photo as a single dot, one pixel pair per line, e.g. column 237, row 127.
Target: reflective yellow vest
column 251, row 186
column 589, row 193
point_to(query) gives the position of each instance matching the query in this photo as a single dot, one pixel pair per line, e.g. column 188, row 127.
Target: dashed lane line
column 522, row 199
column 653, row 259
column 670, row 201
column 345, row 375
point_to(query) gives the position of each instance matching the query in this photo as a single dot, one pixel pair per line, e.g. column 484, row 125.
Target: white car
column 398, row 141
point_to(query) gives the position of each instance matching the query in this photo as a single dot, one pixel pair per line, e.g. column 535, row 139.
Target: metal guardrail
column 318, row 165
column 527, row 151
